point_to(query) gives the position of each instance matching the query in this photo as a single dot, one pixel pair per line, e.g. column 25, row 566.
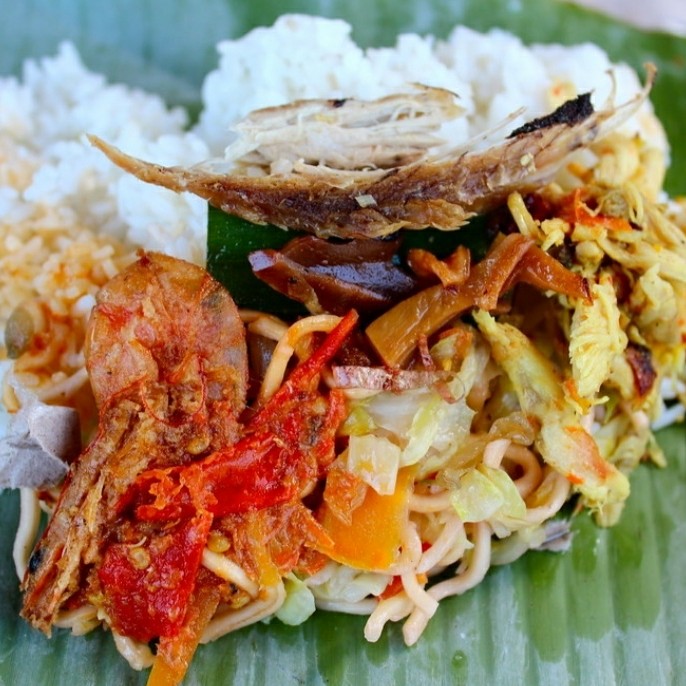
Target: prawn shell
column 151, row 319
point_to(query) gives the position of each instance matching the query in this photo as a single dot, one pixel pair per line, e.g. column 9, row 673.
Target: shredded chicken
column 563, row 441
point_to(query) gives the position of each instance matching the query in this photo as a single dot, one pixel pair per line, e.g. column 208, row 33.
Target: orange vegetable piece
column 372, row 539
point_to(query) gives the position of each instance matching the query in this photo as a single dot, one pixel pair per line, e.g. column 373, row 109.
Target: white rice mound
column 493, row 73
column 48, row 169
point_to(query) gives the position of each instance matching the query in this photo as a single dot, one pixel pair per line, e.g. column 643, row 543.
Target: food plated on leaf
column 430, row 414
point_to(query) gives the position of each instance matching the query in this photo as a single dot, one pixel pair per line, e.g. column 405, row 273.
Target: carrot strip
column 174, row 654
column 373, row 536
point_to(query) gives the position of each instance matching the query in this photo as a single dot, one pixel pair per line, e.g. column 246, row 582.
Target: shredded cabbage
column 488, row 494
column 428, row 427
column 423, row 430
column 299, row 604
column 395, row 412
column 358, row 422
column 375, row 460
column 345, row 584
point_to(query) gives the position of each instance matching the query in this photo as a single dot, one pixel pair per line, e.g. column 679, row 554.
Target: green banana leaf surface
column 610, row 611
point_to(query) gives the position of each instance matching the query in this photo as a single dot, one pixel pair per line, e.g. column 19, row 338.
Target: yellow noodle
column 411, row 550
column 248, row 316
column 453, row 529
column 80, row 621
column 477, row 566
column 436, row 502
column 229, row 571
column 285, row 348
column 360, row 607
column 454, row 553
column 137, row 654
column 479, row 392
column 557, row 490
column 416, row 593
column 418, row 604
column 495, row 451
column 264, row 324
column 27, row 529
column 391, row 609
column 414, row 626
column 229, row 620
column 526, row 460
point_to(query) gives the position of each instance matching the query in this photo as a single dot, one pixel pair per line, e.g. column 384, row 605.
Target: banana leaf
column 609, row 611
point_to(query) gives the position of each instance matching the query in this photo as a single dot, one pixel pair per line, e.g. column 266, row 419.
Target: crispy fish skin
column 441, row 192
column 442, row 195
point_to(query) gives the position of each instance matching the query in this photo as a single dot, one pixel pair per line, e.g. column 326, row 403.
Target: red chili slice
column 147, row 586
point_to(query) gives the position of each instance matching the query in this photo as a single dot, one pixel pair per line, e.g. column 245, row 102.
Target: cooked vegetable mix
column 497, row 386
